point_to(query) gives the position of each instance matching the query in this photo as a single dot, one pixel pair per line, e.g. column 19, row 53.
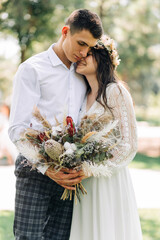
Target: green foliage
column 135, row 26
column 27, row 20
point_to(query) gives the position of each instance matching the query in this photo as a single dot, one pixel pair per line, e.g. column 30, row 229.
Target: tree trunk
column 101, row 9
column 23, row 51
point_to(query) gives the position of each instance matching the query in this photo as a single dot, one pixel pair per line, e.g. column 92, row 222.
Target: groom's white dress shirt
column 44, row 81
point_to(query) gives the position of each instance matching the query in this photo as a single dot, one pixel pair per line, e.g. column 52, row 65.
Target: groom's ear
column 65, row 31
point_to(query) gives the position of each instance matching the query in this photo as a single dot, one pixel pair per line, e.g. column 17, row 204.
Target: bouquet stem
column 67, row 194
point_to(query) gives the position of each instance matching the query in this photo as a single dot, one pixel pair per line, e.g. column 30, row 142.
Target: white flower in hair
column 109, row 44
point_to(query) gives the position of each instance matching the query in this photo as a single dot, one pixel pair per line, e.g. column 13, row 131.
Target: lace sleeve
column 121, row 103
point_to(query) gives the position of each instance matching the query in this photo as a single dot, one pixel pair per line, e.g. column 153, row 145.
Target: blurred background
column 30, row 26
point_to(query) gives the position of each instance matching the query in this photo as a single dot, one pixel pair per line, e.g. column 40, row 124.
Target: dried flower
column 36, row 113
column 63, row 146
column 53, row 149
column 109, row 44
column 71, row 126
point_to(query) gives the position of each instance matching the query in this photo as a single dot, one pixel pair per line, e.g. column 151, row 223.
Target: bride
column 108, row 211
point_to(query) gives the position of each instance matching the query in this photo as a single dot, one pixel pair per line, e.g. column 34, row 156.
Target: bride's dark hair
column 105, row 73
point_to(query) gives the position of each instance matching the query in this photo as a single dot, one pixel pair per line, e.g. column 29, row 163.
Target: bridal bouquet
column 64, row 146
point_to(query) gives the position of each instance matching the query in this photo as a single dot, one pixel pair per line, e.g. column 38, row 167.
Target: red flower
column 42, row 136
column 71, row 126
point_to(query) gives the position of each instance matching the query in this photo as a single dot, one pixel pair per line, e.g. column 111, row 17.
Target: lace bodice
column 119, row 99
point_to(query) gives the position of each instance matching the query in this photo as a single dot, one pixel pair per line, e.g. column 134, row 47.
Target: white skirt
column 108, row 211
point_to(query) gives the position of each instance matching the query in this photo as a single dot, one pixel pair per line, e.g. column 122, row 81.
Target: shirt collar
column 55, row 60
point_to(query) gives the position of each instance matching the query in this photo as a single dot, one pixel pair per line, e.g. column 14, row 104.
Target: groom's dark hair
column 83, row 19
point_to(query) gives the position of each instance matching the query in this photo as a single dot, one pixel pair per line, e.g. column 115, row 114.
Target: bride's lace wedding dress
column 109, row 211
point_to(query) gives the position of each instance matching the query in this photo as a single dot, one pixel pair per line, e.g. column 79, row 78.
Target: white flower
column 110, row 45
column 54, row 133
column 116, row 61
column 55, row 130
column 114, row 54
column 73, row 146
column 69, row 151
column 67, row 146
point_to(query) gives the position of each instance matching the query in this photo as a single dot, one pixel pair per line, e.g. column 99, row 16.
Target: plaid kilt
column 39, row 212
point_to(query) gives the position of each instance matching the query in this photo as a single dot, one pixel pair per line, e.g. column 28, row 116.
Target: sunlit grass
column 150, row 222
column 142, row 161
column 6, row 225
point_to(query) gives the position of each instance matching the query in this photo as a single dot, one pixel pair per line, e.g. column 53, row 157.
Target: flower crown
column 109, row 44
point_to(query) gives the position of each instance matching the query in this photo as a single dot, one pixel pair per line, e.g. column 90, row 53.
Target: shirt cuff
column 42, row 169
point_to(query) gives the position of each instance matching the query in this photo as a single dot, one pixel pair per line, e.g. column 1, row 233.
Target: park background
column 28, row 27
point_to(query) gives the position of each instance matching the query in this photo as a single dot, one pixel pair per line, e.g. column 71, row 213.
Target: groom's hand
column 66, row 178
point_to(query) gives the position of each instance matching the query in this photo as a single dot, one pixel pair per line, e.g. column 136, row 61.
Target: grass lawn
column 6, row 223
column 150, row 222
column 142, row 161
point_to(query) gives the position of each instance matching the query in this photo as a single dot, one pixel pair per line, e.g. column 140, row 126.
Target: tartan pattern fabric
column 39, row 212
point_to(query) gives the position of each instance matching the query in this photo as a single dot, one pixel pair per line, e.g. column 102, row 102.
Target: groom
column 48, row 80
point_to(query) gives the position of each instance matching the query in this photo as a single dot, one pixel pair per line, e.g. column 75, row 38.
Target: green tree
column 34, row 21
column 135, row 25
column 36, row 24
column 27, row 20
